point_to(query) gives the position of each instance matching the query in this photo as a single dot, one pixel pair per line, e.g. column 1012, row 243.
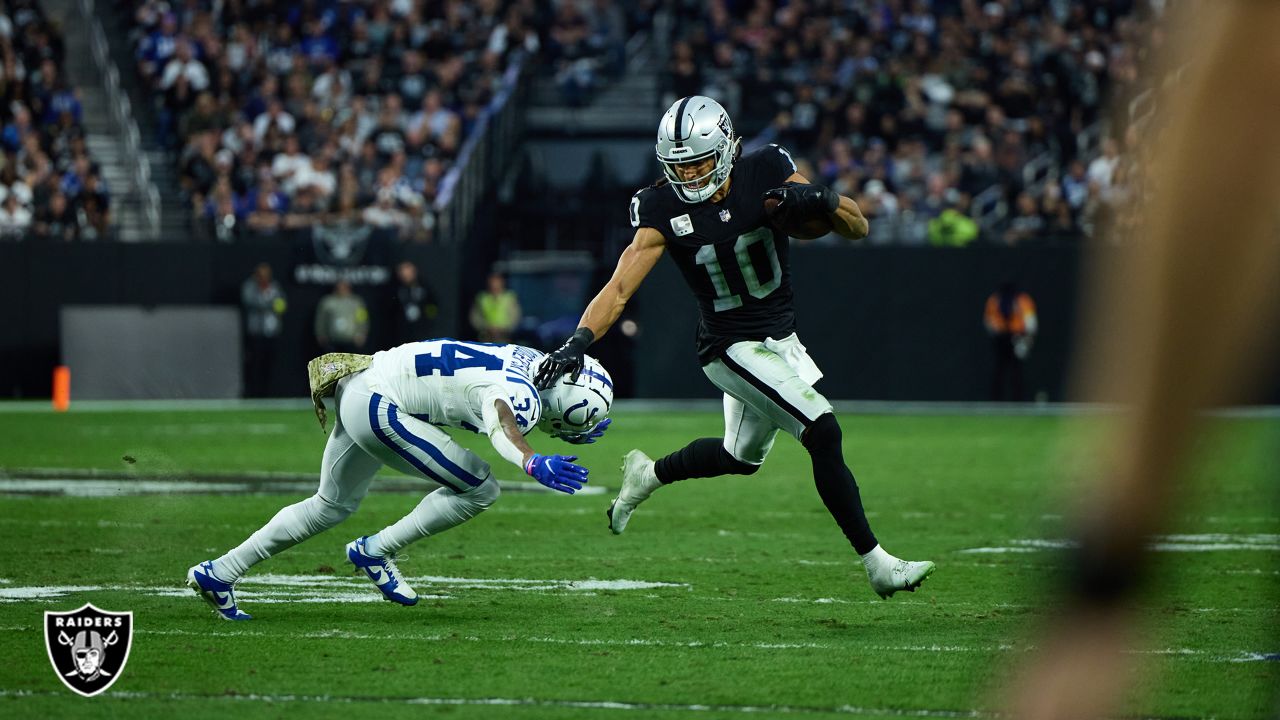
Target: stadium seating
column 283, row 115
column 916, row 106
column 50, row 187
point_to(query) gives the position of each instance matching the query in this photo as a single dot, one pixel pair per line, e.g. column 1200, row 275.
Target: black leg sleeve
column 836, row 486
column 705, row 457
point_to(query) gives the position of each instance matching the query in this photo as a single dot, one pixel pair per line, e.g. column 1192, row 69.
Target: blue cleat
column 221, row 595
column 383, row 572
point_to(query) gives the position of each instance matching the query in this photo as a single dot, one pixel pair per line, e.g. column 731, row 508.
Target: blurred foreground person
column 1196, row 297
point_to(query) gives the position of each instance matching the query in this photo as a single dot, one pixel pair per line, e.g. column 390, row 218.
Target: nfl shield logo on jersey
column 725, row 215
column 88, row 647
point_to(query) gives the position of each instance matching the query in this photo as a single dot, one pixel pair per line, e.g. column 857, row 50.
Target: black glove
column 567, row 359
column 798, row 202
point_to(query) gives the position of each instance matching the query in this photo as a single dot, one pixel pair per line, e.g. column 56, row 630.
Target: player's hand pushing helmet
column 566, row 359
column 576, row 409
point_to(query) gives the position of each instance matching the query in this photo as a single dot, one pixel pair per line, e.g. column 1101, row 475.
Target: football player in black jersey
column 709, row 213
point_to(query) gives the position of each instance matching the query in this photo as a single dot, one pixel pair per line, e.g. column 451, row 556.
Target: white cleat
column 638, row 482
column 382, row 572
column 896, row 575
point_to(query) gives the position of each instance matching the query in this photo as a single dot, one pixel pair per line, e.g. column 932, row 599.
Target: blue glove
column 588, row 437
column 557, row 472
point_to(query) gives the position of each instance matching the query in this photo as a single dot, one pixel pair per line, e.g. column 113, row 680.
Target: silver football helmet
column 693, row 129
column 574, row 408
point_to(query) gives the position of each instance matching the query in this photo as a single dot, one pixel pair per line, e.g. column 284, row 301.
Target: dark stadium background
column 154, row 125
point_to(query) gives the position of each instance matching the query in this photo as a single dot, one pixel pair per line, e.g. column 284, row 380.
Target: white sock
column 438, row 511
column 876, row 559
column 290, row 526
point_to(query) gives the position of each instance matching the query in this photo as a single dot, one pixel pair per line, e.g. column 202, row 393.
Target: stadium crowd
column 915, row 107
column 50, row 187
column 285, row 114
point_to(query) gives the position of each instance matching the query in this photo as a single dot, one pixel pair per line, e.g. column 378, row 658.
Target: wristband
column 832, row 199
column 582, row 338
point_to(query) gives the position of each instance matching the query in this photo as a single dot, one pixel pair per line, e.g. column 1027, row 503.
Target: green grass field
column 745, row 601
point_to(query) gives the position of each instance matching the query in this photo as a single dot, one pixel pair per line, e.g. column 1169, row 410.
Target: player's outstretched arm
column 633, row 267
column 603, row 311
column 806, row 199
column 557, row 472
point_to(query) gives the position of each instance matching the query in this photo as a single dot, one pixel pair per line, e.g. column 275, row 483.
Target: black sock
column 705, row 457
column 836, row 486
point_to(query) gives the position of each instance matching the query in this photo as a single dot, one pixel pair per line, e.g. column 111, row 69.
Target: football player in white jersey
column 390, row 408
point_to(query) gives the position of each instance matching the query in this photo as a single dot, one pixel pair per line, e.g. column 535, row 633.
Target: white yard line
column 278, row 588
column 533, row 702
column 1186, row 543
column 187, row 429
column 121, row 485
column 1190, row 654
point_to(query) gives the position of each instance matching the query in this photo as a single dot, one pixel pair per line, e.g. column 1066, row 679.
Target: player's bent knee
column 824, row 434
column 484, row 494
column 734, row 466
column 328, row 513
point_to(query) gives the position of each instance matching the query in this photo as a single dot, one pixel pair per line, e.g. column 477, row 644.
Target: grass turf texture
column 769, row 608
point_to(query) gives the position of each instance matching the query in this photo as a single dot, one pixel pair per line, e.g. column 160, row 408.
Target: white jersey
column 449, row 382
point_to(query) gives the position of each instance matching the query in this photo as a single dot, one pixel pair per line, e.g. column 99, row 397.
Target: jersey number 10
column 454, row 357
column 729, row 298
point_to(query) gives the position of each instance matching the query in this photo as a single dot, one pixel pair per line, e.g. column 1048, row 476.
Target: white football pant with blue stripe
column 370, row 432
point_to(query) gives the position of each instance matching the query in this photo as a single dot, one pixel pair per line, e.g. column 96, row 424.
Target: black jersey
column 736, row 263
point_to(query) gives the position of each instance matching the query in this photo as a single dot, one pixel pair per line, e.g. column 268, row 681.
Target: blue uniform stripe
column 374, row 403
column 598, row 376
column 426, row 447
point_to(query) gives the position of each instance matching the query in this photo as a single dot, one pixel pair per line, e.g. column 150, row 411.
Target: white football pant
column 369, row 432
column 768, row 386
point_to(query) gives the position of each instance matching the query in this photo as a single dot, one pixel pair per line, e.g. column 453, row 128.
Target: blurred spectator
column 56, row 220
column 342, row 320
column 1010, row 319
column 385, row 213
column 95, row 210
column 15, row 219
column 952, row 228
column 575, row 69
column 496, row 311
column 1075, row 185
column 1026, row 223
column 416, row 308
column 1104, row 166
column 263, row 303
